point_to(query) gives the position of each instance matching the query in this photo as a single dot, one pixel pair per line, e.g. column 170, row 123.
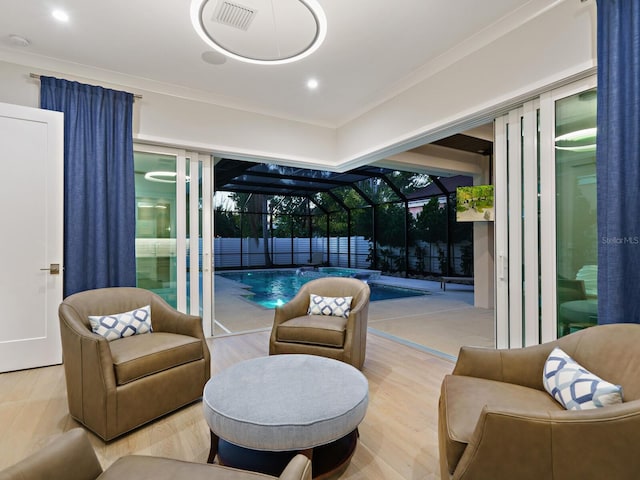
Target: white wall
column 484, row 251
column 230, row 132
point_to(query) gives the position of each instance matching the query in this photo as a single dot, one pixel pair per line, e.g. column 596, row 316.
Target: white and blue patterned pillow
column 121, row 325
column 336, row 306
column 574, row 387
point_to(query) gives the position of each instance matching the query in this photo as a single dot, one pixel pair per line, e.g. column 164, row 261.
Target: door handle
column 502, row 267
column 54, row 269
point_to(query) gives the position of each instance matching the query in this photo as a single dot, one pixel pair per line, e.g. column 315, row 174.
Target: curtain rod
column 36, row 76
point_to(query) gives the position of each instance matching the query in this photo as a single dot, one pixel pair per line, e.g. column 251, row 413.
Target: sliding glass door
column 156, row 254
column 173, row 194
column 576, row 226
column 545, row 217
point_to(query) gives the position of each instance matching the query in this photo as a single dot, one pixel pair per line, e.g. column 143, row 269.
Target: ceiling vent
column 234, row 15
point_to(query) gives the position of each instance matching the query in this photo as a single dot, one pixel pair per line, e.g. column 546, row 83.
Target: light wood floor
column 398, row 437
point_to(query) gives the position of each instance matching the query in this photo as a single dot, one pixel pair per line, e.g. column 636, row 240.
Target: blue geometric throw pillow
column 121, row 325
column 336, row 306
column 574, row 387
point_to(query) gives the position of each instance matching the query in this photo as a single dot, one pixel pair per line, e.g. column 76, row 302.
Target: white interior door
column 31, row 252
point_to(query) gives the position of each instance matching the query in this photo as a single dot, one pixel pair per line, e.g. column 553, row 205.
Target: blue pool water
column 270, row 288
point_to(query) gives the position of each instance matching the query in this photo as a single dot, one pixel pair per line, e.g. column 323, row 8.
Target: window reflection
column 156, row 224
column 577, row 255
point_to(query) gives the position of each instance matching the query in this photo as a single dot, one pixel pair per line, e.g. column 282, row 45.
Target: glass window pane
column 155, row 180
column 577, row 246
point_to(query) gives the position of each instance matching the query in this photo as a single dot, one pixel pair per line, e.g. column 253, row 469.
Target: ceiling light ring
column 197, row 7
column 245, row 58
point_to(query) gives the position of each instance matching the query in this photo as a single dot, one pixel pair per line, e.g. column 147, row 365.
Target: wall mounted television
column 475, row 204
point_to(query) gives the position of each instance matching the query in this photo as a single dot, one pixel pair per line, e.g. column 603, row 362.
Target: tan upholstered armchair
column 345, row 339
column 71, row 457
column 116, row 386
column 497, row 421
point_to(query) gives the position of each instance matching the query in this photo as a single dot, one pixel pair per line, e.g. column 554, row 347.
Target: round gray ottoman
column 285, row 403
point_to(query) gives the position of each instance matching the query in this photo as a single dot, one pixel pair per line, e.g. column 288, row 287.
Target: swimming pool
column 270, row 288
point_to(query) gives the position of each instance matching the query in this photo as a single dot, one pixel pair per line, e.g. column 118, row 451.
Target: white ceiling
column 373, row 50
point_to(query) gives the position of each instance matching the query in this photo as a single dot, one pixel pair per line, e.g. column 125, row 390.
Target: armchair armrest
column 71, row 319
column 165, row 318
column 69, row 457
column 84, row 349
column 299, row 468
column 520, row 366
column 357, row 316
column 511, row 443
column 362, row 303
column 296, row 307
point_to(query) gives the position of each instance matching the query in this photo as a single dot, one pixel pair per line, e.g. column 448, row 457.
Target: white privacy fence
column 423, row 257
column 250, row 253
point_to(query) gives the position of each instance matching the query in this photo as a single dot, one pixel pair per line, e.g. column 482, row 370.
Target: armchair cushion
column 332, row 306
column 120, row 325
column 314, row 330
column 574, row 387
column 143, row 355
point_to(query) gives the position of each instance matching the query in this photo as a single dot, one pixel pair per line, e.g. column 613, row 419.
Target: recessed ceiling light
column 312, row 84
column 60, row 15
